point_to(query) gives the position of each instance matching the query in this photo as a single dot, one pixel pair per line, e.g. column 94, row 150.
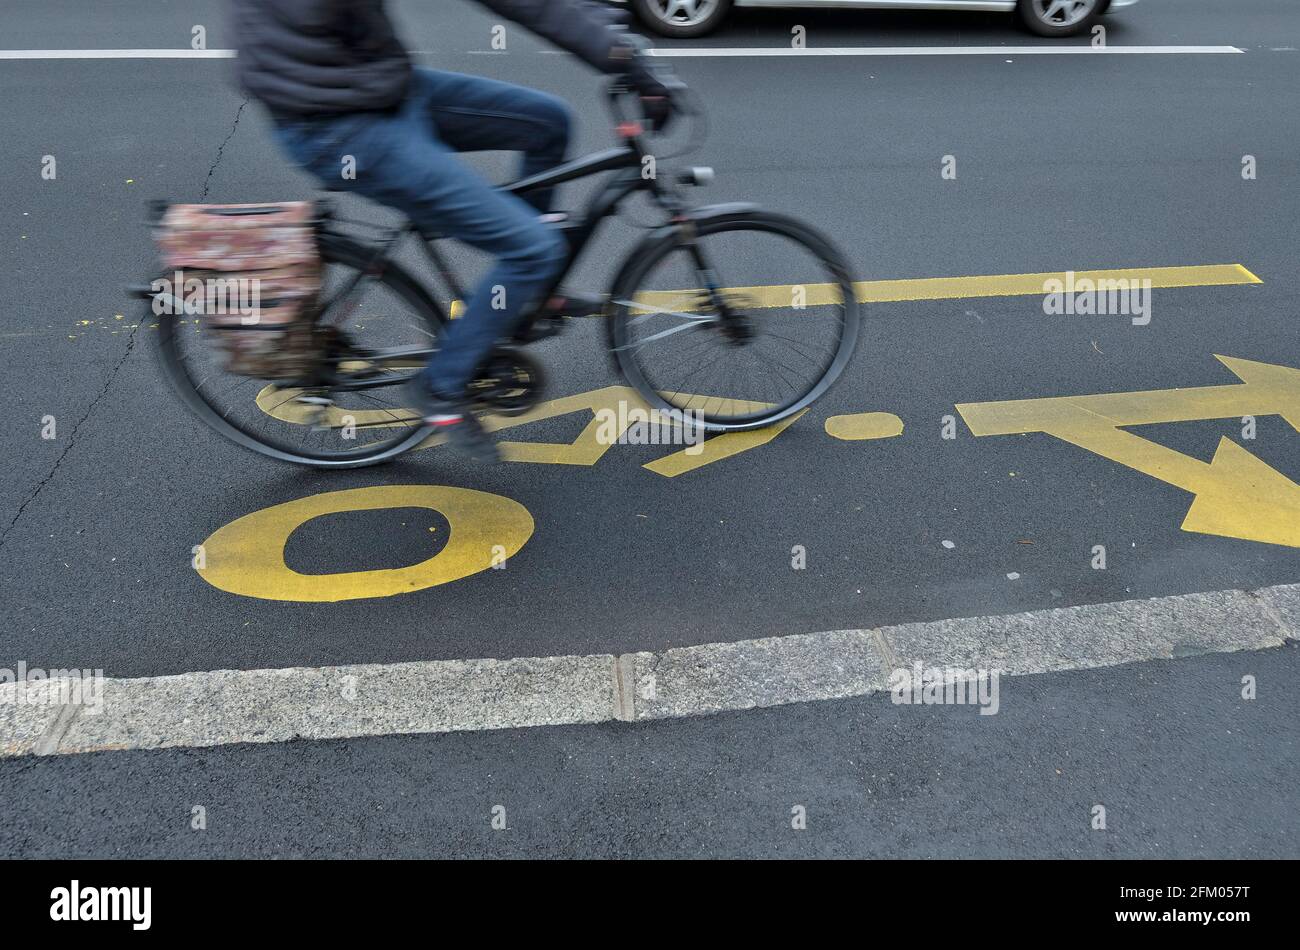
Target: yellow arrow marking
column 1237, row 495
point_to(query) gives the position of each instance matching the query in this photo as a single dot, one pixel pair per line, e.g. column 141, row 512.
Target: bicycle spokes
column 726, row 326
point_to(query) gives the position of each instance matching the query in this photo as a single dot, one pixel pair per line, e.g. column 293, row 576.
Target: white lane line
column 117, row 53
column 724, row 51
column 684, row 51
column 279, row 705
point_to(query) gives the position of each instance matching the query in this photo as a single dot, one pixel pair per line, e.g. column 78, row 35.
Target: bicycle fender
column 683, row 228
column 706, row 214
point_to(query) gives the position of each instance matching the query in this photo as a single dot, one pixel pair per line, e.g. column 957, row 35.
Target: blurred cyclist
column 338, row 82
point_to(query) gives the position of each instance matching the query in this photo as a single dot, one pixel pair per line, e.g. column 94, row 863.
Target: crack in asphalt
column 112, row 375
column 221, row 148
column 72, row 439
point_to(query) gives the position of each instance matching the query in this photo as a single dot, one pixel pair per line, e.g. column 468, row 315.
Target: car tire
column 1033, row 14
column 653, row 13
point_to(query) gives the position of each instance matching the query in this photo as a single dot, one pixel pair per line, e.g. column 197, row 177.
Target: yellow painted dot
column 860, row 426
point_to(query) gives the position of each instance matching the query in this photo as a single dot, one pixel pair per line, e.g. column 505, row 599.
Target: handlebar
column 615, row 89
column 685, row 102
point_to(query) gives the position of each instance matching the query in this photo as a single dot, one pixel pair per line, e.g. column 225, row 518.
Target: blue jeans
column 407, row 160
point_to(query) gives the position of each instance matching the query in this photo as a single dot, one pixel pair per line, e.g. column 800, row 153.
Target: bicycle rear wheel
column 352, row 414
column 744, row 324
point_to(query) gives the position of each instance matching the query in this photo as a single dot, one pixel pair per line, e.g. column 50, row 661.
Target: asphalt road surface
column 1181, row 166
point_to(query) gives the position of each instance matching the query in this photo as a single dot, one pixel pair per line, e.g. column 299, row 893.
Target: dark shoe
column 455, row 420
column 575, row 305
column 542, row 326
column 552, row 318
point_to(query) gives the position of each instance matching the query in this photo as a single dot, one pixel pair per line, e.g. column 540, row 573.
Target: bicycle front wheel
column 738, row 326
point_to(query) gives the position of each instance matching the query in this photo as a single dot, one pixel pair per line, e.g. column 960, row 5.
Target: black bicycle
column 724, row 317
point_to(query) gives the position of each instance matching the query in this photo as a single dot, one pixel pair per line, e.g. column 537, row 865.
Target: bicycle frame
column 628, row 160
column 577, row 233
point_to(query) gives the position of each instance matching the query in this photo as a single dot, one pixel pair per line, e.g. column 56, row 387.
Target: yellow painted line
column 1017, row 285
column 954, row 288
column 860, row 426
column 1237, row 495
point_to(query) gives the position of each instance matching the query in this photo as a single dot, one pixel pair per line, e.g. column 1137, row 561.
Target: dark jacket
column 314, row 57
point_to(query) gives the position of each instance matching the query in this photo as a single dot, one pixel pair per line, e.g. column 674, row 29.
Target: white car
column 686, row 18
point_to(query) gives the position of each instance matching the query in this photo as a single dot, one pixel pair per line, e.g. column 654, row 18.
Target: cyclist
column 349, row 107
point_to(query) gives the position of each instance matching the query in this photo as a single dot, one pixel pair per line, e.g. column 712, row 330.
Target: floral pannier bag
column 253, row 272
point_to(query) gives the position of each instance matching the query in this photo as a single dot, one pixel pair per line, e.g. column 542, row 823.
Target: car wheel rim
column 683, row 12
column 1063, row 12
